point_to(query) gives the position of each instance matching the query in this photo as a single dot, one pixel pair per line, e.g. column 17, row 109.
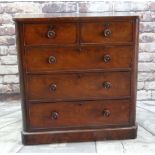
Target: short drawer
column 79, row 114
column 46, row 34
column 107, row 32
column 48, row 59
column 78, row 86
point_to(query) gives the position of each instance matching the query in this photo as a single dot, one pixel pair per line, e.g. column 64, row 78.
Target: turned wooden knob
column 106, row 58
column 107, row 32
column 52, row 60
column 106, row 85
column 51, row 33
column 106, row 113
column 53, row 87
column 54, row 115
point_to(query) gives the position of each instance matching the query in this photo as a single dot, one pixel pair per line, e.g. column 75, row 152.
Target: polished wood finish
column 79, row 85
column 62, row 34
column 79, row 114
column 106, row 32
column 80, row 135
column 49, row 59
column 78, row 76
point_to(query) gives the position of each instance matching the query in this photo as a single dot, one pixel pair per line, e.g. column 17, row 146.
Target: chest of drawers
column 78, row 77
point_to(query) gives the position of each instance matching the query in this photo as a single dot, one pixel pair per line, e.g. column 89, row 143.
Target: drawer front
column 57, row 59
column 78, row 86
column 110, row 32
column 46, row 34
column 83, row 113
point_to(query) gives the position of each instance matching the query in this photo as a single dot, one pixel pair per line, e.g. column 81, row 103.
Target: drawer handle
column 106, row 113
column 107, row 32
column 106, row 85
column 51, row 33
column 52, row 60
column 54, row 115
column 53, row 87
column 106, row 58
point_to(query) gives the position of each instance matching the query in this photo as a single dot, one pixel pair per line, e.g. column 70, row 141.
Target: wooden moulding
column 33, row 138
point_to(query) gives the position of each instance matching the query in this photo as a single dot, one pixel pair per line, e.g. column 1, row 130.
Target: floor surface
column 11, row 126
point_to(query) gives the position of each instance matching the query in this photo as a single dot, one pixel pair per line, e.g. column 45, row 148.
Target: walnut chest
column 78, row 77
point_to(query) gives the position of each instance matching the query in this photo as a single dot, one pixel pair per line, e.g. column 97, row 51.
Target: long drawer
column 48, row 59
column 78, row 86
column 79, row 114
